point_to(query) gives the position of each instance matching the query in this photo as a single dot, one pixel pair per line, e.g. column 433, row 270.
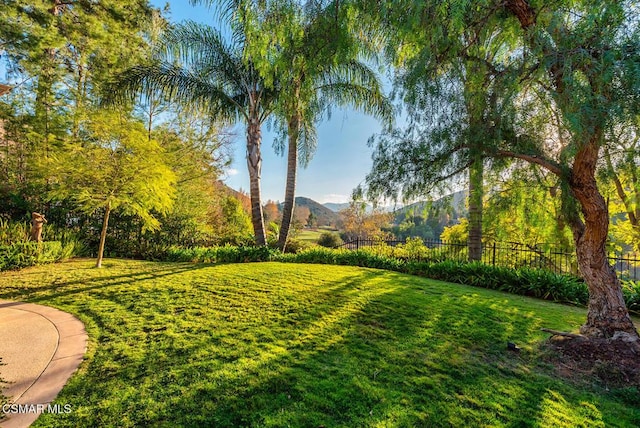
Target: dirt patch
column 615, row 363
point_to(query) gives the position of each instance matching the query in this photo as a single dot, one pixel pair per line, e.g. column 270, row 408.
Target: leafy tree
column 271, row 212
column 57, row 53
column 451, row 107
column 132, row 177
column 196, row 150
column 582, row 53
column 527, row 208
column 570, row 59
column 234, row 225
column 359, row 224
column 620, row 175
column 457, row 233
column 311, row 220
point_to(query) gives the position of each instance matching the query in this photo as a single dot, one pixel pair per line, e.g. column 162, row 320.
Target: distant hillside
column 324, row 216
column 427, row 219
column 336, row 207
column 453, row 204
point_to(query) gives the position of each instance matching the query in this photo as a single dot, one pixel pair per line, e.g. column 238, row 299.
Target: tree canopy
column 567, row 70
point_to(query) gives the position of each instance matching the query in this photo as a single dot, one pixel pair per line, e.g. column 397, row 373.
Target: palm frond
column 192, row 42
column 175, row 83
column 354, row 84
column 307, row 142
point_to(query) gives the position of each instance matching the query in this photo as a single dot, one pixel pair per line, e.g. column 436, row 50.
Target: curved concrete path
column 40, row 348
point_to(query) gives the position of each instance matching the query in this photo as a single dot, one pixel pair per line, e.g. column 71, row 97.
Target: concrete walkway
column 40, row 348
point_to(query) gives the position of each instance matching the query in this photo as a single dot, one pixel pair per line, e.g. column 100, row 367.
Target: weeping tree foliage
column 452, row 111
column 576, row 61
column 620, row 175
column 195, row 66
column 524, row 206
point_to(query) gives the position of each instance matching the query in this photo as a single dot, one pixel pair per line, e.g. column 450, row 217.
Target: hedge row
column 23, row 254
column 522, row 281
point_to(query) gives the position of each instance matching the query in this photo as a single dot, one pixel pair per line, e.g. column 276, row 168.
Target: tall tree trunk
column 103, row 235
column 292, row 169
column 476, row 193
column 254, row 163
column 607, row 314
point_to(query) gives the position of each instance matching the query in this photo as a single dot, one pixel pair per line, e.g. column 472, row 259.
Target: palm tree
column 196, row 67
column 323, row 71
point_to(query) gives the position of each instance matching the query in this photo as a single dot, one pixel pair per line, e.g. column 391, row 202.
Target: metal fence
column 504, row 254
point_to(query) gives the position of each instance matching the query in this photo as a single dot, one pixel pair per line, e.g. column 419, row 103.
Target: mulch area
column 615, row 363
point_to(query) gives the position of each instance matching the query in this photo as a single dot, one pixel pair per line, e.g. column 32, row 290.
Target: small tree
column 312, row 220
column 234, row 226
column 360, row 224
column 116, row 168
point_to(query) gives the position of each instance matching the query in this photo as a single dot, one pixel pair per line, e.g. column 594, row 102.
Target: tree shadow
column 100, row 278
column 371, row 349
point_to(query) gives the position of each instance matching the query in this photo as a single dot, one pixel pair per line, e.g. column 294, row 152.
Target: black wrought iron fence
column 504, row 254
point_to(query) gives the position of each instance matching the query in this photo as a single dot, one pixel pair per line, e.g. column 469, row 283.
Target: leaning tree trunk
column 254, row 163
column 607, row 313
column 103, row 235
column 292, row 169
column 475, row 209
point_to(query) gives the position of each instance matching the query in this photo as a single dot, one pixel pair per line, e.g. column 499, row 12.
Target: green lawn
column 309, row 235
column 276, row 345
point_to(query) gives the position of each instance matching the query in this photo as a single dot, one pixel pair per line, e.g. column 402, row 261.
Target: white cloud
column 334, row 198
column 232, row 171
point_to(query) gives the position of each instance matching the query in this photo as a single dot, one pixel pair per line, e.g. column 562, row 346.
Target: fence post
column 493, row 259
column 357, row 243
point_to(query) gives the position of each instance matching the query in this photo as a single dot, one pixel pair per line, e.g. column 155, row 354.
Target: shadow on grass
column 370, row 348
column 92, row 279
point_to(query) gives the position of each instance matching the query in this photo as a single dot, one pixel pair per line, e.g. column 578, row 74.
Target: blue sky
column 341, row 161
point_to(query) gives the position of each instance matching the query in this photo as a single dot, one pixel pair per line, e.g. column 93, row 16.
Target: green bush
column 12, row 232
column 224, row 254
column 631, row 292
column 296, row 245
column 23, row 254
column 329, row 240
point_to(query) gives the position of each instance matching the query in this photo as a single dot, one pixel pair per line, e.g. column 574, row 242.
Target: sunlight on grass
column 557, row 412
column 273, row 345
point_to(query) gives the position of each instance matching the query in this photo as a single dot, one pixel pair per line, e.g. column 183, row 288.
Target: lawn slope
column 274, row 345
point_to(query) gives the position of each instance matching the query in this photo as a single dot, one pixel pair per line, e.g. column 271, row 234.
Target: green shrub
column 296, row 245
column 415, row 249
column 631, row 292
column 330, row 240
column 13, row 232
column 23, row 254
column 224, row 254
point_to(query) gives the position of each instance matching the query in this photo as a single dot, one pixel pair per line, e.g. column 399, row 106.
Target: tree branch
column 542, row 161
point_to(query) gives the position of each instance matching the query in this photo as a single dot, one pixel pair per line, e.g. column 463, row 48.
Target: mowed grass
column 277, row 345
column 309, row 235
